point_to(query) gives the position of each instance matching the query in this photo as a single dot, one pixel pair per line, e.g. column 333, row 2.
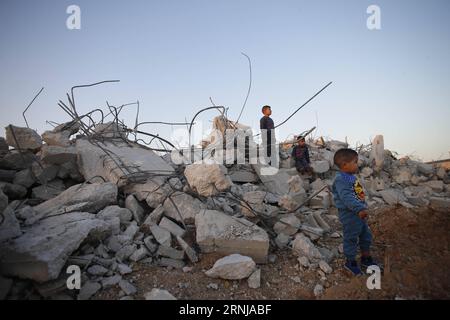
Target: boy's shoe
column 368, row 261
column 352, row 266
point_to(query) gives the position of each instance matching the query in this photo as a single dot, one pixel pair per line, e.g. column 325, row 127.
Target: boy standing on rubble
column 349, row 199
column 267, row 130
column 300, row 153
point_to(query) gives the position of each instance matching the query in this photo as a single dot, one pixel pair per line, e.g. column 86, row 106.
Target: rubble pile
column 104, row 203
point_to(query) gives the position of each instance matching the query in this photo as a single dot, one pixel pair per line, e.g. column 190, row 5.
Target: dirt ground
column 414, row 245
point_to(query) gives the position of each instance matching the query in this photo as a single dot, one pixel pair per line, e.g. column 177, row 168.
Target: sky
column 173, row 56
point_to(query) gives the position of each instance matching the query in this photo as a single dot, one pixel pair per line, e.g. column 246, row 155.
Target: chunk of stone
column 173, row 263
column 254, row 281
column 127, row 287
column 41, row 252
column 97, row 270
column 48, row 191
column 9, row 227
column 119, row 162
column 304, row 247
column 170, row 252
column 182, row 207
column 191, row 254
column 133, row 205
column 162, row 236
column 435, row 185
column 139, row 254
column 273, row 179
column 218, row 232
column 88, row 289
column 58, row 155
column 325, row 267
column 111, row 281
column 115, row 211
column 392, row 196
column 172, row 227
column 243, row 176
column 425, row 168
column 232, row 267
column 13, row 191
column 377, row 152
column 25, row 178
column 159, row 294
column 207, row 179
column 288, row 224
column 155, row 216
column 22, row 138
column 94, row 196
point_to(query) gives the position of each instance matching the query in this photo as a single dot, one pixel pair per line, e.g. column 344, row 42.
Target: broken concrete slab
column 41, row 252
column 154, row 191
column 22, row 138
column 133, row 205
column 172, row 263
column 232, row 267
column 159, row 294
column 25, row 178
column 304, row 247
column 15, row 160
column 190, row 253
column 139, row 254
column 172, row 227
column 273, row 179
column 88, row 289
column 48, row 191
column 58, row 155
column 185, row 209
column 127, row 287
column 392, row 196
column 207, row 179
column 425, row 168
column 218, row 232
column 94, row 197
column 254, row 281
column 13, row 191
column 61, row 139
column 162, row 236
column 155, row 216
column 288, row 224
column 253, row 204
column 119, row 162
column 115, row 211
column 9, row 227
column 243, row 176
column 169, row 252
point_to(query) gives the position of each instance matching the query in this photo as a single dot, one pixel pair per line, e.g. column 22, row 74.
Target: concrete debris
column 218, row 232
column 88, row 289
column 94, row 196
column 304, row 247
column 254, row 281
column 159, row 294
column 182, row 207
column 172, row 227
column 22, row 138
column 162, row 236
column 103, row 159
column 232, row 267
column 102, row 201
column 41, row 252
column 133, row 205
column 207, row 179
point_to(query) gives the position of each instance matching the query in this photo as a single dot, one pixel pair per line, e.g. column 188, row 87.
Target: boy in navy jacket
column 349, row 199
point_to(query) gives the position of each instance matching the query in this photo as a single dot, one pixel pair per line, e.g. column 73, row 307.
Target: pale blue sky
column 173, row 55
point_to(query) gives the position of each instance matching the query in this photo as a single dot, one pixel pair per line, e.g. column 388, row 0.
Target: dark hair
column 300, row 138
column 344, row 156
column 264, row 108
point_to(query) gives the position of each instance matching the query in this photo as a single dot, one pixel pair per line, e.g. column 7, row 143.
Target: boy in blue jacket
column 349, row 199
